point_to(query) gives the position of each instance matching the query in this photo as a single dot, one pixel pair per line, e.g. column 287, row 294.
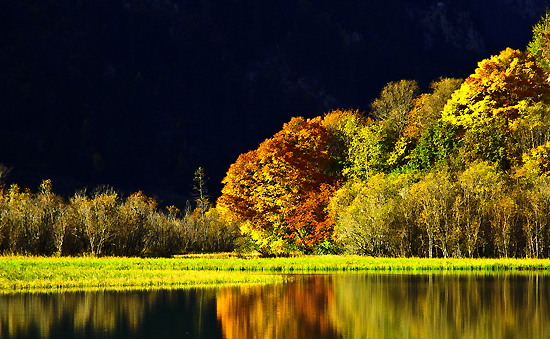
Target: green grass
column 37, row 274
column 18, row 273
column 322, row 264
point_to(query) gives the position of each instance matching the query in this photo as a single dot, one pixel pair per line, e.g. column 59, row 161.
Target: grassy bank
column 37, row 273
column 321, row 264
column 19, row 273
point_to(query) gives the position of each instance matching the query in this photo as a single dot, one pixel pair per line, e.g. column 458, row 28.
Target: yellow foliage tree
column 497, row 88
column 504, row 90
column 428, row 106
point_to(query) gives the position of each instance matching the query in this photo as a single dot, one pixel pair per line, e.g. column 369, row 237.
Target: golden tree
column 491, row 103
column 498, row 86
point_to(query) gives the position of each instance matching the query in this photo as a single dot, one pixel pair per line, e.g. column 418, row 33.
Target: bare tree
column 98, row 216
column 4, row 171
column 395, row 102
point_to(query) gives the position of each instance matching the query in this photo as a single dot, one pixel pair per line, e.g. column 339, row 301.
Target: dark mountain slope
column 138, row 94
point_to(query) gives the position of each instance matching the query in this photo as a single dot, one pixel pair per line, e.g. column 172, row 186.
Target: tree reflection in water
column 391, row 306
column 442, row 306
column 110, row 314
column 299, row 310
column 321, row 306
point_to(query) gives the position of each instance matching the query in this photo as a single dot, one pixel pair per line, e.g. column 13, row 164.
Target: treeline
column 462, row 170
column 102, row 222
column 477, row 212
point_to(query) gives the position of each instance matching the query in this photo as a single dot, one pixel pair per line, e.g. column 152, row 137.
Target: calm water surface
column 322, row 306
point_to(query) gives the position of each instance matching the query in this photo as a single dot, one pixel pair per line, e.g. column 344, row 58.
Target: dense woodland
column 457, row 168
column 459, row 171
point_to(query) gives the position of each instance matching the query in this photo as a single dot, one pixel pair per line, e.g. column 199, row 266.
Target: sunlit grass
column 320, row 264
column 36, row 273
column 19, row 273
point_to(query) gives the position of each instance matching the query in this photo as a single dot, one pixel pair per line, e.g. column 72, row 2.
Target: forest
column 459, row 170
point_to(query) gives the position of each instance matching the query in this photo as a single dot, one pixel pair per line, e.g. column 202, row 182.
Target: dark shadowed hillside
column 139, row 94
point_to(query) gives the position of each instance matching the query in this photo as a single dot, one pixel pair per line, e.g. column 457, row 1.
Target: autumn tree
column 539, row 46
column 496, row 88
column 535, row 208
column 53, row 219
column 382, row 144
column 62, row 228
column 489, row 101
column 369, row 151
column 395, row 102
column 372, row 216
column 19, row 220
column 165, row 236
column 488, row 141
column 134, row 224
column 433, row 198
column 503, row 222
column 428, row 107
column 343, row 127
column 530, row 132
column 103, row 223
column 478, row 187
column 98, row 216
column 266, row 189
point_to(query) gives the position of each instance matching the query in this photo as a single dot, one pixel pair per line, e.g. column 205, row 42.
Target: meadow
column 21, row 273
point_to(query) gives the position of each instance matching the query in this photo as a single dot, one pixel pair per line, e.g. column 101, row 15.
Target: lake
column 366, row 305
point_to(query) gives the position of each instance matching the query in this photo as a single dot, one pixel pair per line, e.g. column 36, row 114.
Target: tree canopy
column 432, row 175
column 280, row 190
column 497, row 88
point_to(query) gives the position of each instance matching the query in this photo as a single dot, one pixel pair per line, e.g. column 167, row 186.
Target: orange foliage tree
column 301, row 310
column 279, row 192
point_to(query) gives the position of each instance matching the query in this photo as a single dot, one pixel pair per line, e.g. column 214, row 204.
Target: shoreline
column 28, row 274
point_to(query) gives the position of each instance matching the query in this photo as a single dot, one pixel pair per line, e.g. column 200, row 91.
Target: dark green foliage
column 438, row 146
column 487, row 142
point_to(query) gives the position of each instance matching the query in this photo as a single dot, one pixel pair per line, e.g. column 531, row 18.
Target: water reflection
column 391, row 306
column 298, row 309
column 110, row 314
column 331, row 306
column 442, row 306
